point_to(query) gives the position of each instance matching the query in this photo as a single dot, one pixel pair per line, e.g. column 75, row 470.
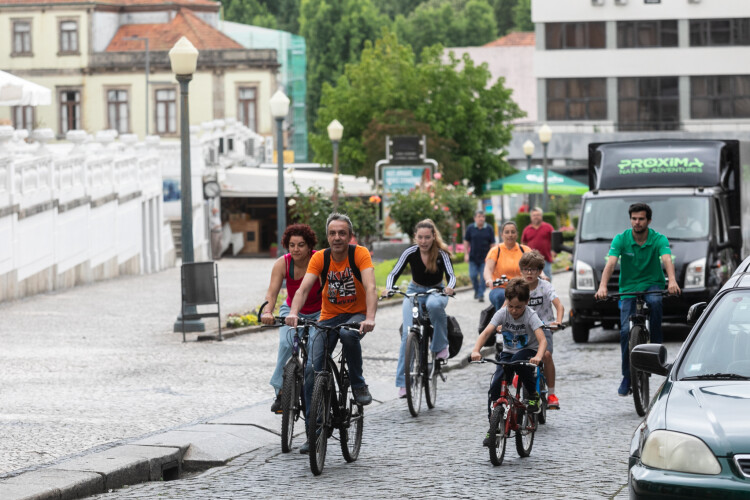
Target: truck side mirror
column 735, row 237
column 557, row 243
column 695, row 312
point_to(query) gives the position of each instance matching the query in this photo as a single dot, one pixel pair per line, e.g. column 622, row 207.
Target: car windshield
column 722, row 347
column 679, row 218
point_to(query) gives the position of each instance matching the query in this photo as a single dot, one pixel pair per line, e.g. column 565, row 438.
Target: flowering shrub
column 235, row 320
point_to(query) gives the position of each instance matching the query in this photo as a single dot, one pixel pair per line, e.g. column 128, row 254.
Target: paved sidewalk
column 91, row 368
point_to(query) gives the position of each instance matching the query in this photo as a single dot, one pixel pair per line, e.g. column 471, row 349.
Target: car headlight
column 584, row 276
column 678, row 452
column 695, row 276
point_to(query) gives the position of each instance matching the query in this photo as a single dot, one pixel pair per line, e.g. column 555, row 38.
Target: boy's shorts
column 548, row 336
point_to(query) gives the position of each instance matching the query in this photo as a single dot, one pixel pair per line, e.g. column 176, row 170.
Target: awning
column 532, row 181
column 15, row 91
column 243, row 182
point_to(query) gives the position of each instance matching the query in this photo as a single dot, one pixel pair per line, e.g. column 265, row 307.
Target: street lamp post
column 528, row 150
column 148, row 71
column 279, row 110
column 184, row 59
column 545, row 134
column 335, row 131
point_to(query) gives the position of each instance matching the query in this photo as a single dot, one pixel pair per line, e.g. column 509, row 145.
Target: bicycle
column 509, row 414
column 333, row 406
column 293, row 382
column 638, row 334
column 421, row 367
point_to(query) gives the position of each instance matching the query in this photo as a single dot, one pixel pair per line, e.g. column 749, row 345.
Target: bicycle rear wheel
column 413, row 372
column 350, row 431
column 430, row 379
column 638, row 379
column 320, row 422
column 497, row 435
column 290, row 402
column 525, row 434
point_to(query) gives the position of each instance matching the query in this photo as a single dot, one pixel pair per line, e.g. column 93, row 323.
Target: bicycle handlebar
column 431, row 291
column 503, row 363
column 612, row 296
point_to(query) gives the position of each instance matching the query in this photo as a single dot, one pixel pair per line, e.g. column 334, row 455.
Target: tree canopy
column 449, row 98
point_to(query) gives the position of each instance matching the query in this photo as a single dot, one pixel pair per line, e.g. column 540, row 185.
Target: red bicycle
column 510, row 414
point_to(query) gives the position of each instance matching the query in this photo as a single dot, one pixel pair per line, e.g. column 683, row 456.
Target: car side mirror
column 557, row 243
column 735, row 238
column 650, row 358
column 695, row 312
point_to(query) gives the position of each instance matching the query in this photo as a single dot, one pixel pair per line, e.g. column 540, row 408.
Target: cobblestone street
column 97, row 366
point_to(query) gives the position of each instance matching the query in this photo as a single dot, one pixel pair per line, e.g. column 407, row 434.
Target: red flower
column 456, row 183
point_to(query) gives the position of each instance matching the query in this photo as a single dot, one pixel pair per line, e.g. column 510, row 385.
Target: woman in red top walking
column 538, row 235
column 300, row 241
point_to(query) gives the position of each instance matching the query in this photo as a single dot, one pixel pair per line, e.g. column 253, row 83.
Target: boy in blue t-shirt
column 523, row 339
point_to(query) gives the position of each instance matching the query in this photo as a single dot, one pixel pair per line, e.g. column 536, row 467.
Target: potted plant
column 274, row 250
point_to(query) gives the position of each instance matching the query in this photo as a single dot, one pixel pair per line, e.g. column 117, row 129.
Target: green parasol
column 532, row 181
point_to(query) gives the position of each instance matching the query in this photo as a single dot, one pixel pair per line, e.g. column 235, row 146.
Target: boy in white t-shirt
column 545, row 302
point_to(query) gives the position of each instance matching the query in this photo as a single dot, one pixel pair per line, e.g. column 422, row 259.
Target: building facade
column 629, row 69
column 93, row 56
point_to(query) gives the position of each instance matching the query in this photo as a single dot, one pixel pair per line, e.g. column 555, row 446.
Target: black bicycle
column 639, row 334
column 333, row 406
column 292, row 387
column 421, row 366
column 510, row 414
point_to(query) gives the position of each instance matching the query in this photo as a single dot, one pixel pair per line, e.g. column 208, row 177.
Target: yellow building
column 93, row 55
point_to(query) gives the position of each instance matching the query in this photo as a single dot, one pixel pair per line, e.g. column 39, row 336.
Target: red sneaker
column 552, row 402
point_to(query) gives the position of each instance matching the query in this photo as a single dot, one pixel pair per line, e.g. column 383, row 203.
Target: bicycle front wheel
column 525, row 434
column 430, row 380
column 352, row 425
column 413, row 372
column 320, row 423
column 497, row 435
column 290, row 402
column 638, row 379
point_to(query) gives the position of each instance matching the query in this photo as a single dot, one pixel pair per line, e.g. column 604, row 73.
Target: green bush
column 523, row 219
column 550, row 218
column 574, row 220
column 569, row 235
column 457, row 257
column 489, row 219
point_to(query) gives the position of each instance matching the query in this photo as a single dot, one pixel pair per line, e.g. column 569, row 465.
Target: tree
column 251, row 12
column 522, row 16
column 452, row 96
column 452, row 23
column 393, row 8
column 335, row 32
column 504, row 16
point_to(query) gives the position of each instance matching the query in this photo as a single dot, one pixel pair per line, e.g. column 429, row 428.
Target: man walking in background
column 538, row 235
column 478, row 240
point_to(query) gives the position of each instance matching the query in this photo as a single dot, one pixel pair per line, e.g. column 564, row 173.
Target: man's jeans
column 286, row 339
column 476, row 273
column 548, row 269
column 627, row 308
column 317, row 355
column 436, row 309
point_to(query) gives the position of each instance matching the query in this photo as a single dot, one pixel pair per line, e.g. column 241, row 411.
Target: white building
column 627, row 69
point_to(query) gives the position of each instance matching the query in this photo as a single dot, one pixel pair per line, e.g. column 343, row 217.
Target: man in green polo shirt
column 641, row 251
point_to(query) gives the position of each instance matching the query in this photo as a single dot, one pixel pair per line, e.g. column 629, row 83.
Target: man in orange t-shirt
column 345, row 300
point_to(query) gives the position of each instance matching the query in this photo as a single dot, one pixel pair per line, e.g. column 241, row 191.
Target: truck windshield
column 678, row 217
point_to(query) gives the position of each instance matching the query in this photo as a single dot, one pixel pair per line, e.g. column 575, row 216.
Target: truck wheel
column 580, row 332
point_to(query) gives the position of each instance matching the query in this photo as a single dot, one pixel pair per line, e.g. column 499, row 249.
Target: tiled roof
column 515, row 38
column 164, row 36
column 122, row 3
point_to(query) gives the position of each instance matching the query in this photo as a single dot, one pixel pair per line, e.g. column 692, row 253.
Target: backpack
column 327, row 263
column 455, row 337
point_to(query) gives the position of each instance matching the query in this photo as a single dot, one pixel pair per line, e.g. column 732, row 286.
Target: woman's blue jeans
column 497, row 298
column 436, row 309
column 286, row 339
